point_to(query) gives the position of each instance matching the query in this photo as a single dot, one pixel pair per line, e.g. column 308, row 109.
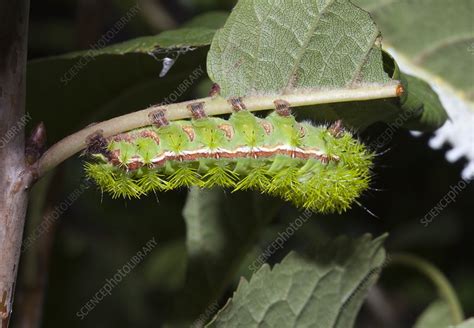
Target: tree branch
column 212, row 106
column 14, row 175
column 33, row 273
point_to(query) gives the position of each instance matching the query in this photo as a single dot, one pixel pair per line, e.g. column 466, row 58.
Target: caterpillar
column 321, row 168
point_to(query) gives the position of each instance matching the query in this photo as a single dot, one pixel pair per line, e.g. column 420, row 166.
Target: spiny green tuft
column 255, row 179
column 184, row 177
column 219, row 177
column 152, row 181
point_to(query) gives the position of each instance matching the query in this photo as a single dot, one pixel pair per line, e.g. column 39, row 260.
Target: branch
column 36, row 256
column 14, row 177
column 213, row 106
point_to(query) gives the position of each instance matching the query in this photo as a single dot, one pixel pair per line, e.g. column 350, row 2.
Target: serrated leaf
column 436, row 38
column 273, row 46
column 436, row 315
column 325, row 291
column 99, row 84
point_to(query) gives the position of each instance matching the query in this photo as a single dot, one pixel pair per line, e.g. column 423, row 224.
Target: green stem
column 212, row 106
column 445, row 289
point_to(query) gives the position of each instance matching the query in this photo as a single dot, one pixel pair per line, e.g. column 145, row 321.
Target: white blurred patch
column 458, row 132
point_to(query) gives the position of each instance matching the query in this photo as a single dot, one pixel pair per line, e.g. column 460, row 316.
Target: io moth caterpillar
column 316, row 167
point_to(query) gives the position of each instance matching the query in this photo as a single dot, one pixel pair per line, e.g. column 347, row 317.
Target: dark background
column 96, row 235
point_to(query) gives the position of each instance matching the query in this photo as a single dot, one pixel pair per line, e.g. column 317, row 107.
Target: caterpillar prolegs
column 316, row 167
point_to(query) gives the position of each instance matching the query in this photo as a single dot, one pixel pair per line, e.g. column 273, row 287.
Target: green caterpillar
column 318, row 168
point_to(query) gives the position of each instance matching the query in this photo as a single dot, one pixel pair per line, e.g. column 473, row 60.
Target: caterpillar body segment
column 308, row 165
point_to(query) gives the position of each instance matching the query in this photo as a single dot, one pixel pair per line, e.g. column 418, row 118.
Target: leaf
column 275, row 45
column 325, row 291
column 212, row 20
column 418, row 109
column 434, row 38
column 436, row 315
column 69, row 91
column 221, row 229
column 272, row 46
column 423, row 100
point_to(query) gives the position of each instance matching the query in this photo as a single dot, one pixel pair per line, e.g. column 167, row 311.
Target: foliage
column 264, row 47
column 325, row 291
column 412, row 29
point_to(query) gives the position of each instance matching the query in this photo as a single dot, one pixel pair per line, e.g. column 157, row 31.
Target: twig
column 212, row 106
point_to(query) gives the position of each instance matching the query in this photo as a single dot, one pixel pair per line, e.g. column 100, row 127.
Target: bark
column 33, row 273
column 31, row 295
column 14, row 175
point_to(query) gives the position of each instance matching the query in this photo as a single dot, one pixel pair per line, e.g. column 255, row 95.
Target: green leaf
column 70, row 90
column 436, row 315
column 212, row 20
column 221, row 229
column 272, row 46
column 435, row 38
column 325, row 291
column 420, row 98
column 275, row 45
column 418, row 109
